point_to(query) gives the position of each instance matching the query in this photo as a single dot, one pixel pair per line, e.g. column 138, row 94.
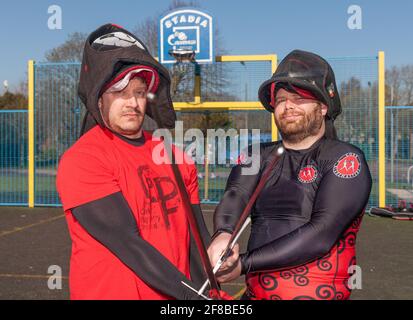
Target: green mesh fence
column 221, row 81
column 58, row 113
column 399, row 154
column 182, row 82
column 357, row 80
column 233, row 81
column 218, row 172
column 13, row 158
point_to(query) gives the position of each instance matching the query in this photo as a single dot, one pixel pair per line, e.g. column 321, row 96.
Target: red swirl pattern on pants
column 323, row 279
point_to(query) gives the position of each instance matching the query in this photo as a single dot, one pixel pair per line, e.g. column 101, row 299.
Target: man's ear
column 324, row 109
column 100, row 103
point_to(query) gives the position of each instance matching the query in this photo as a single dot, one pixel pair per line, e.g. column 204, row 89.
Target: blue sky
column 247, row 27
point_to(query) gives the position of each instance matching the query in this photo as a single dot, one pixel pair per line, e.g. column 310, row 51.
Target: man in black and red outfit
column 305, row 220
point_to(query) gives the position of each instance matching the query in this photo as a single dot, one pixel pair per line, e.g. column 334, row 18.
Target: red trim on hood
column 302, row 92
column 143, row 74
column 272, row 92
column 116, row 25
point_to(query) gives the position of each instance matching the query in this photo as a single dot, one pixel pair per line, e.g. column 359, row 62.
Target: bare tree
column 183, row 75
column 70, row 51
column 56, row 98
column 393, row 86
column 399, row 83
column 56, row 85
column 215, row 83
column 406, row 75
column 147, row 30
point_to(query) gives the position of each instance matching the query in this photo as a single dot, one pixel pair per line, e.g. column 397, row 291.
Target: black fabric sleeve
column 238, row 191
column 338, row 202
column 198, row 274
column 111, row 222
column 206, row 237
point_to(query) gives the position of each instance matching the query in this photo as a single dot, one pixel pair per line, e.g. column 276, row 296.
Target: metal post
column 31, row 132
column 369, row 135
column 206, row 181
column 197, row 88
column 392, row 146
column 274, row 130
column 206, row 160
column 382, row 130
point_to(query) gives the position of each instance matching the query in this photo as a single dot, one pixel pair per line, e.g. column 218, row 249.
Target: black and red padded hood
column 310, row 72
column 307, row 71
column 105, row 61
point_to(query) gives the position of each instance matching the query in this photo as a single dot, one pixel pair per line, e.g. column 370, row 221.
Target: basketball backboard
column 186, row 35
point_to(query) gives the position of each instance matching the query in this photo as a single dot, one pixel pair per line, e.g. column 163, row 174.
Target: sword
column 244, row 220
column 190, row 214
column 223, row 257
column 200, row 294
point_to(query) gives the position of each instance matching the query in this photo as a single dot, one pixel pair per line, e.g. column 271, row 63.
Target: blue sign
column 186, row 30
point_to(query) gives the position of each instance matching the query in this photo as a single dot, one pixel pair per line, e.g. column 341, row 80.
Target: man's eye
column 140, row 93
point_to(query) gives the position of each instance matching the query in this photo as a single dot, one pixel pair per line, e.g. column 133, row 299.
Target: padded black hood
column 102, row 62
column 307, row 71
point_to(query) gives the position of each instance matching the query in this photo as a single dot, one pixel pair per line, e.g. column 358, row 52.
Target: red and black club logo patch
column 348, row 166
column 308, row 174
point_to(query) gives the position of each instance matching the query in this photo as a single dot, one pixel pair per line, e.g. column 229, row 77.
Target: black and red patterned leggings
column 326, row 278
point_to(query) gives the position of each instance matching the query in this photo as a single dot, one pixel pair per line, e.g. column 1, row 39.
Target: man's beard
column 129, row 128
column 307, row 125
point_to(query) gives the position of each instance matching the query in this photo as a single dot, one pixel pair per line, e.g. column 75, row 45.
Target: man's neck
column 132, row 137
column 307, row 142
column 139, row 141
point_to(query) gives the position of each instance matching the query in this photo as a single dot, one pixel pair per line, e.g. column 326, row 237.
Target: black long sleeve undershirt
column 335, row 203
column 338, row 203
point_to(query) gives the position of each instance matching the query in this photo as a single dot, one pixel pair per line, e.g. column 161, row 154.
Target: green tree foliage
column 13, row 101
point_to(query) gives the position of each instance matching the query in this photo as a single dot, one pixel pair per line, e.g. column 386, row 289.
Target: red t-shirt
column 100, row 164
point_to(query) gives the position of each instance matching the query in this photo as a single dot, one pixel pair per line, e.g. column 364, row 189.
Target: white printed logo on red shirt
column 308, row 174
column 348, row 166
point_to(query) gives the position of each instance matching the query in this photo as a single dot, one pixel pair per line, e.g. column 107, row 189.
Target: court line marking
column 18, row 229
column 32, row 276
column 239, row 293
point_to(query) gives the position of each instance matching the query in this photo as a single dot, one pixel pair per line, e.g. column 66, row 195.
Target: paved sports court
column 31, row 240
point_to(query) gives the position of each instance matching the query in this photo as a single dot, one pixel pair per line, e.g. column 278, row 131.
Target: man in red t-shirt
column 129, row 229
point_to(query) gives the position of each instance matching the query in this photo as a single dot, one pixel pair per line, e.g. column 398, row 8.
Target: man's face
column 124, row 111
column 297, row 117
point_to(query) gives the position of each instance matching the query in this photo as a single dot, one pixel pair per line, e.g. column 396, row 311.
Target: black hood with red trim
column 310, row 72
column 102, row 62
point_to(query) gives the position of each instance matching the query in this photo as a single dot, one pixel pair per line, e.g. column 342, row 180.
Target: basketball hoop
column 183, row 56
